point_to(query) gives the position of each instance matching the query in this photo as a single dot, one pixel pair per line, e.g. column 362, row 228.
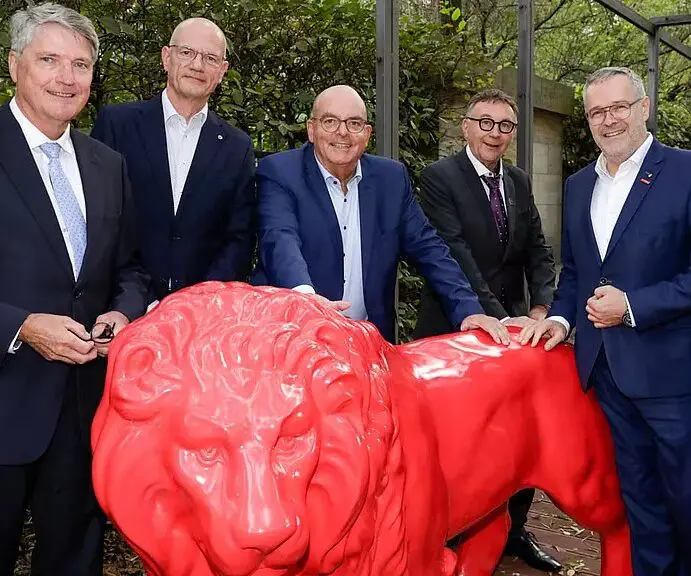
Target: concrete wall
column 552, row 101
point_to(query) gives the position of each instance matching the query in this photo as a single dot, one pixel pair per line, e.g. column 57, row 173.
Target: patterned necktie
column 497, row 205
column 67, row 204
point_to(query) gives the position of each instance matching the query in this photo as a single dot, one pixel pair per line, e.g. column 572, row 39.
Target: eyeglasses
column 332, row 124
column 487, row 124
column 619, row 111
column 187, row 55
column 102, row 332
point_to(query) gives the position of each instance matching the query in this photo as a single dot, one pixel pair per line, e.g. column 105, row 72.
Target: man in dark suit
column 626, row 287
column 484, row 210
column 334, row 222
column 192, row 173
column 70, row 280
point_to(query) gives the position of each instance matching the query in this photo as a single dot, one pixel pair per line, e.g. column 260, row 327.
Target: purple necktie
column 497, row 205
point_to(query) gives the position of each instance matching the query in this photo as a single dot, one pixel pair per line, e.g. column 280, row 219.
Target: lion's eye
column 286, row 444
column 208, row 455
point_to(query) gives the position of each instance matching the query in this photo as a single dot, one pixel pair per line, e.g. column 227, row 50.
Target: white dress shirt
column 35, row 138
column 482, row 170
column 182, row 138
column 347, row 208
column 609, row 195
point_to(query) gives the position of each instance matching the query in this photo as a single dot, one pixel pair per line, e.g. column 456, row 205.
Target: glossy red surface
column 249, row 431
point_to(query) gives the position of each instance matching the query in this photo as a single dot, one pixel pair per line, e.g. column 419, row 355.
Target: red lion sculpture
column 252, row 431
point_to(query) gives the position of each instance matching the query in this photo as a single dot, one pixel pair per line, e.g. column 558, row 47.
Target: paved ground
column 577, row 549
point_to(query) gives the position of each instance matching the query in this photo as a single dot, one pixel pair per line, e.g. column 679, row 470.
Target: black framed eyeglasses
column 332, row 124
column 187, row 55
column 102, row 332
column 618, row 110
column 487, row 124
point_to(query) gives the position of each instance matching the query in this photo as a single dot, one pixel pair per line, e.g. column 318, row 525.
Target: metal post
column 387, row 78
column 387, row 91
column 526, row 46
column 653, row 78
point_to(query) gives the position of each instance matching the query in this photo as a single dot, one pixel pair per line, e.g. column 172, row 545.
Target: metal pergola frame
column 387, row 70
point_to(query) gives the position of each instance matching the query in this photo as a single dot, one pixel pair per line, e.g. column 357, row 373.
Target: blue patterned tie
column 67, row 203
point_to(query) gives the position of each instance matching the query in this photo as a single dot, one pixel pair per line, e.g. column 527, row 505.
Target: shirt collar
column 636, row 159
column 327, row 175
column 34, row 137
column 169, row 110
column 480, row 168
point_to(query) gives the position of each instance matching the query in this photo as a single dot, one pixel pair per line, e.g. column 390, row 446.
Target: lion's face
column 244, row 449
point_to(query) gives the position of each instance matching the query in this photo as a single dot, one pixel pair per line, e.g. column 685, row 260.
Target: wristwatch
column 626, row 319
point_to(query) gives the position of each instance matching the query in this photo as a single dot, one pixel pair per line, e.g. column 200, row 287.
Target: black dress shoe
column 527, row 549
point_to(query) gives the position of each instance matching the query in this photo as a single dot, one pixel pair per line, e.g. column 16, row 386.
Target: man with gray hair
column 626, row 287
column 71, row 281
column 192, row 173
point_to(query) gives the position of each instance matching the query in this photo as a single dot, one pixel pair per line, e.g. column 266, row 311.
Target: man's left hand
column 118, row 320
column 538, row 312
column 606, row 307
column 491, row 325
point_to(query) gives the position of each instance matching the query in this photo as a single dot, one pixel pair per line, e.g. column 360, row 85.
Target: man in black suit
column 484, row 209
column 192, row 173
column 70, row 280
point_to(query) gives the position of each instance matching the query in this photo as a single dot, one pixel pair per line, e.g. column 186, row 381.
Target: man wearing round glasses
column 192, row 173
column 626, row 287
column 334, row 222
column 484, row 210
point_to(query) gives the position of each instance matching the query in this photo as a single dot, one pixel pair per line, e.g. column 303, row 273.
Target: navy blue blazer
column 37, row 277
column 212, row 236
column 300, row 242
column 649, row 258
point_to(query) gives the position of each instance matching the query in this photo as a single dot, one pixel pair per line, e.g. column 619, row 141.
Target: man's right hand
column 58, row 338
column 553, row 331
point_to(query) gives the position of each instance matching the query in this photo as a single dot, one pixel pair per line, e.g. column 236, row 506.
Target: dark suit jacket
column 300, row 243
column 37, row 277
column 649, row 258
column 212, row 235
column 457, row 206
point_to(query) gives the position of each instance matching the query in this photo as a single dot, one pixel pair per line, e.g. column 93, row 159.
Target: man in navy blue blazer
column 626, row 287
column 192, row 173
column 71, row 279
column 334, row 222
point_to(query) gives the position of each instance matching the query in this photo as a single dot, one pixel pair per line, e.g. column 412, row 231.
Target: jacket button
column 78, row 294
column 604, row 281
column 176, row 237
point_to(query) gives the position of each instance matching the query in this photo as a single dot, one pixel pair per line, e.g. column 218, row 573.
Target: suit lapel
column 368, row 214
column 212, row 140
column 91, row 177
column 510, row 198
column 645, row 178
column 152, row 132
column 20, row 166
column 320, row 194
column 586, row 198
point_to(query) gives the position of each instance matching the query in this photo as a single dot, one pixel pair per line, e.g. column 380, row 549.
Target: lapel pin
column 220, row 137
column 645, row 181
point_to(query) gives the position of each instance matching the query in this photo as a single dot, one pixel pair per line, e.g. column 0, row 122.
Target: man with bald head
column 334, row 222
column 192, row 173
